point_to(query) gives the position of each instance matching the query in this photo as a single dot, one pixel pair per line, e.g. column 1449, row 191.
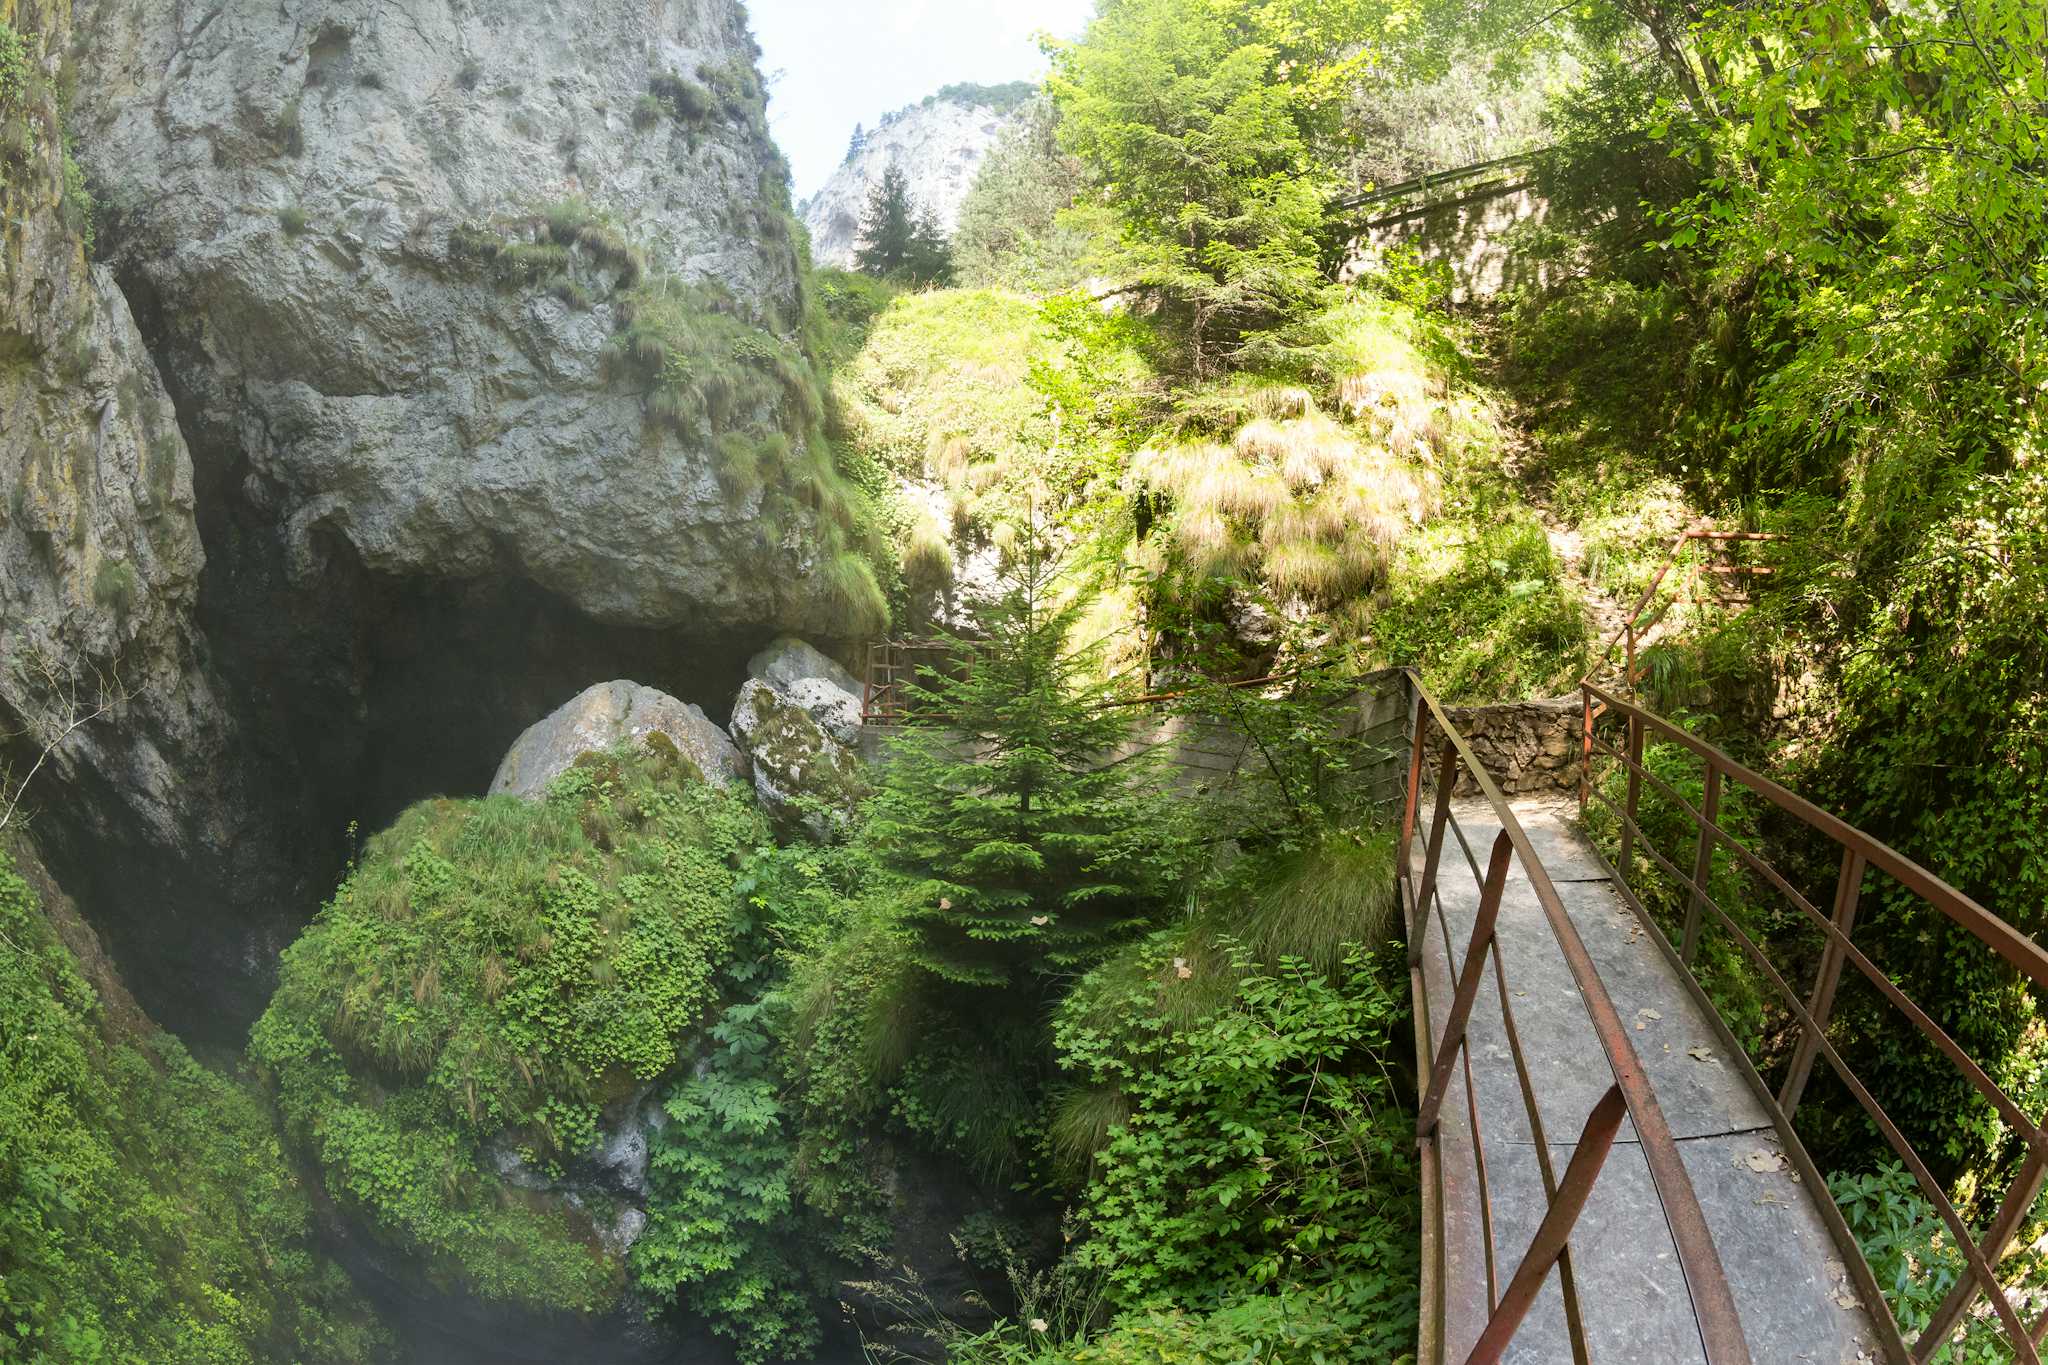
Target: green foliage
column 501, row 970
column 1016, row 229
column 1480, row 607
column 146, row 1211
column 1937, row 750
column 79, row 213
column 682, row 99
column 897, row 240
column 1207, row 128
column 115, row 586
column 710, row 371
column 1025, row 849
column 1308, row 505
column 1264, row 1145
column 292, row 219
column 1006, row 98
column 721, row 1199
column 1346, row 1319
column 14, row 67
column 1916, row 1262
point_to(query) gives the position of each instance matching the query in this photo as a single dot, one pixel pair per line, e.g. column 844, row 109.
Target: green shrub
column 722, row 1202
column 146, row 1211
column 1345, row 1319
column 288, row 132
column 115, row 586
column 1264, row 1144
column 292, row 219
column 501, row 970
column 681, row 99
column 79, row 213
column 1481, row 607
column 14, row 66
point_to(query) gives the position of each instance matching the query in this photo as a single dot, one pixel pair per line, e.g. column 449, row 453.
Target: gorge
column 581, row 779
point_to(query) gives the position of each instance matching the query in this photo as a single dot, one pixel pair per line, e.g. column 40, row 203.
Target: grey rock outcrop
column 940, row 143
column 828, row 693
column 311, row 197
column 803, row 777
column 100, row 563
column 607, row 714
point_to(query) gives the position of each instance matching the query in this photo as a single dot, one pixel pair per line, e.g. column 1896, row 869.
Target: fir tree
column 897, row 241
column 1026, row 847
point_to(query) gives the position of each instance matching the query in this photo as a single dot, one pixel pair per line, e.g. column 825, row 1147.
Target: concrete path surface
column 1791, row 1287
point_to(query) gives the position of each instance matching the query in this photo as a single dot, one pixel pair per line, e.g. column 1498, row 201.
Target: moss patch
column 496, row 972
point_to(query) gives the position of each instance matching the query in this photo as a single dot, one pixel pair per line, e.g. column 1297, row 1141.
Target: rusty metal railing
column 1648, row 609
column 1720, row 1329
column 1862, row 859
column 892, row 675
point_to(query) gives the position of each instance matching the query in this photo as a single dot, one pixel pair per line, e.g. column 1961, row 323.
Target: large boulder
column 601, row 717
column 805, row 779
column 830, row 694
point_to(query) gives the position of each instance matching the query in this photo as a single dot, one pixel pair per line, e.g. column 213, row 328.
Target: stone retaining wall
column 1526, row 746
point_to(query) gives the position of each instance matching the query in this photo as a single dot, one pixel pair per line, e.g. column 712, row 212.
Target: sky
column 834, row 63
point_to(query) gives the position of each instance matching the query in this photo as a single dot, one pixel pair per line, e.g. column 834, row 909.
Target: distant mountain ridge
column 940, row 143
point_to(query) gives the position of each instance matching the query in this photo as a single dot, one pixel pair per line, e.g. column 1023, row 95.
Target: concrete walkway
column 1791, row 1288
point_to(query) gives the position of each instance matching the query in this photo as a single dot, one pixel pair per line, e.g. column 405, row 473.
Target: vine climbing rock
column 607, row 714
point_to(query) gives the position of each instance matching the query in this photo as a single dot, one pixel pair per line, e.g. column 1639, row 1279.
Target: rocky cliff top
column 939, row 142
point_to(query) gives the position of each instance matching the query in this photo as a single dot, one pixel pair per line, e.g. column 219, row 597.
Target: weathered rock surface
column 297, row 189
column 803, row 777
column 828, row 693
column 940, row 144
column 607, row 714
column 100, row 564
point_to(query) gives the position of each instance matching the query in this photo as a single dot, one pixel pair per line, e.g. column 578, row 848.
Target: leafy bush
column 292, row 219
column 115, row 586
column 1917, row 1263
column 1479, row 605
column 721, row 1231
column 1347, row 1319
column 500, row 971
column 1264, row 1144
column 146, row 1211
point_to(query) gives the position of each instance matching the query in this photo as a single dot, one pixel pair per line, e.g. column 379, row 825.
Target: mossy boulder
column 805, row 779
column 465, row 1039
column 804, row 675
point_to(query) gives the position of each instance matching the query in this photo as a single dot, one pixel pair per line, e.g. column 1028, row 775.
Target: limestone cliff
column 100, row 555
column 467, row 341
column 939, row 142
column 317, row 199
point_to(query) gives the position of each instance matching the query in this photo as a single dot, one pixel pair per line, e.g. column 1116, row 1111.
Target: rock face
column 100, row 564
column 1528, row 746
column 607, row 714
column 798, row 718
column 313, row 198
column 376, row 388
column 939, row 142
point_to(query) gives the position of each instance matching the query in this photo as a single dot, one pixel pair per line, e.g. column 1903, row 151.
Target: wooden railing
column 1639, row 865
column 1720, row 1328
